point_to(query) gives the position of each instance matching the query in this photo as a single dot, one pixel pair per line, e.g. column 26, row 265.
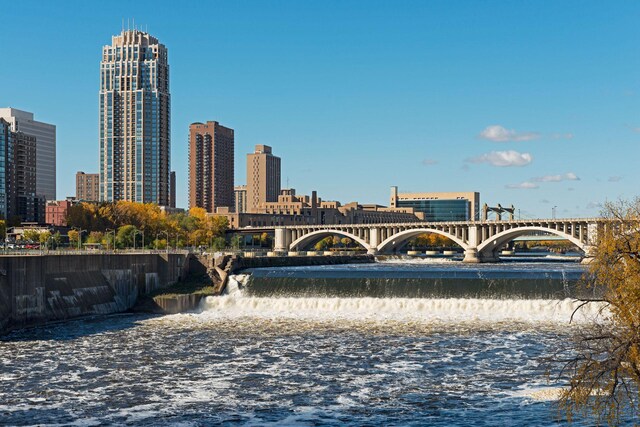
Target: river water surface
column 251, row 359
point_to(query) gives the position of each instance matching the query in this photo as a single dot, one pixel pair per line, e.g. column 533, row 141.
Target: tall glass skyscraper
column 135, row 112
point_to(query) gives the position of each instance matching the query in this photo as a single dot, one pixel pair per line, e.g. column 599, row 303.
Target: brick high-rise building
column 263, row 178
column 45, row 134
column 134, row 119
column 56, row 212
column 87, row 186
column 211, row 148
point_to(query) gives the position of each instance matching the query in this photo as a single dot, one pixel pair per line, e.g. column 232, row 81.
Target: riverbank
column 38, row 289
column 186, row 296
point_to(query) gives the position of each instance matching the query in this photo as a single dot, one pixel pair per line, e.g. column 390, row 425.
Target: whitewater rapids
column 235, row 304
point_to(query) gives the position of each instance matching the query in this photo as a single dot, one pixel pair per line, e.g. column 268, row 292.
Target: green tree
column 44, row 237
column 124, row 237
column 73, row 236
column 218, row 244
column 605, row 373
column 160, row 244
column 236, row 241
column 321, row 245
column 95, row 237
column 31, row 235
column 56, row 239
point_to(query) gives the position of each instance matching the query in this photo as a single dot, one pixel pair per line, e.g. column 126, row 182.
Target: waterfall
column 238, row 304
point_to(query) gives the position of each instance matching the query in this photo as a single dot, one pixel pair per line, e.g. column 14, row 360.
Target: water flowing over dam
column 295, row 346
column 417, row 280
column 407, row 292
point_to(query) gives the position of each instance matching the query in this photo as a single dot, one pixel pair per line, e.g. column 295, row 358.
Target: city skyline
column 534, row 105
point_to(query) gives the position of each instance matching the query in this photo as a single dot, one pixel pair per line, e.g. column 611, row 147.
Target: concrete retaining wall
column 38, row 289
column 291, row 261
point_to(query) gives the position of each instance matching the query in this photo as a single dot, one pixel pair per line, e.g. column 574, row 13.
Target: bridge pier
column 471, row 256
column 282, row 240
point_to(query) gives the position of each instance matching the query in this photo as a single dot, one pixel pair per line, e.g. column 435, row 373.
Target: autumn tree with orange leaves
column 605, row 369
column 147, row 219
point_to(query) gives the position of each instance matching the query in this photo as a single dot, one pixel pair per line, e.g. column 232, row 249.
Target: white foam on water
column 418, row 260
column 540, row 394
column 236, row 305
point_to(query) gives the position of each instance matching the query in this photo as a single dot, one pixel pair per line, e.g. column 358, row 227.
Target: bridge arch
column 399, row 238
column 492, row 244
column 302, row 241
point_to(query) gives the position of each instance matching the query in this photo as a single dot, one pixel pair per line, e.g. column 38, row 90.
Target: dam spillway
column 417, row 280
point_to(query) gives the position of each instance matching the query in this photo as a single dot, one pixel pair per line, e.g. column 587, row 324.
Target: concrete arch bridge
column 480, row 240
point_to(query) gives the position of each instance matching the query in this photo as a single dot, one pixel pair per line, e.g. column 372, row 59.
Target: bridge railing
column 432, row 224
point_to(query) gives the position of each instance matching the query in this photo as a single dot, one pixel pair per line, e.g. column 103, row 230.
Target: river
column 300, row 357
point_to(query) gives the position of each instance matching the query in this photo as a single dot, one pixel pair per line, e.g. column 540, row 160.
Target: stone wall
column 42, row 288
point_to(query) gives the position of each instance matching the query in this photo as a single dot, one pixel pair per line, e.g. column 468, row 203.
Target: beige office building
column 263, row 178
column 87, row 186
column 292, row 209
column 211, row 150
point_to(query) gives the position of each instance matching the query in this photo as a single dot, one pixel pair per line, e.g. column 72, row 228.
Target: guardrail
column 38, row 252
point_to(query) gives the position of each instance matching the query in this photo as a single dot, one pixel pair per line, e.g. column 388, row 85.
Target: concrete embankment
column 43, row 288
column 37, row 289
column 187, row 296
column 294, row 261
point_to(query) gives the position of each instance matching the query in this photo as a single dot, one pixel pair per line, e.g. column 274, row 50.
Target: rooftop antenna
column 134, row 24
column 287, row 182
column 128, row 22
column 123, row 25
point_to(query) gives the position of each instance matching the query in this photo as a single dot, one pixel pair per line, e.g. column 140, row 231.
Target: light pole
column 80, row 231
column 135, row 233
column 167, row 234
column 111, row 230
column 553, row 212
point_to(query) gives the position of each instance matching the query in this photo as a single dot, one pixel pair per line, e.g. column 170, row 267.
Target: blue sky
column 531, row 103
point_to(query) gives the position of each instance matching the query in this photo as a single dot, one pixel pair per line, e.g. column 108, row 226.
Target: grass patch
column 193, row 285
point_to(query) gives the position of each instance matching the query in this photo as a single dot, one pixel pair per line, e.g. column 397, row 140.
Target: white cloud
column 614, row 178
column 429, row 162
column 569, row 176
column 498, row 133
column 523, row 186
column 562, row 136
column 503, row 158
